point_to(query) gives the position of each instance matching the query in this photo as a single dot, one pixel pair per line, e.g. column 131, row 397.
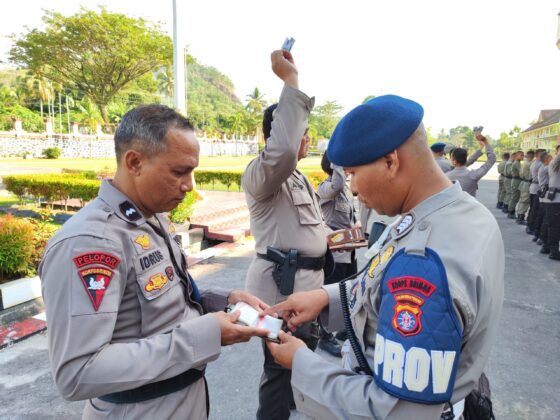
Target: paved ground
column 523, row 369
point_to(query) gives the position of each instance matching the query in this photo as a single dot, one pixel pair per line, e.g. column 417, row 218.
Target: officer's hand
column 300, row 307
column 242, row 296
column 234, row 333
column 481, row 139
column 283, row 66
column 283, row 353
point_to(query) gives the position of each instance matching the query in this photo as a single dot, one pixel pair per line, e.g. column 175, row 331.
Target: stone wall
column 12, row 145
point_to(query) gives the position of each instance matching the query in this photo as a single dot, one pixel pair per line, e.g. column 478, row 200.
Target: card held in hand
column 249, row 317
column 346, row 239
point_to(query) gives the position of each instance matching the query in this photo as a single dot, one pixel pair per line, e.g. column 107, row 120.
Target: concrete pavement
column 523, row 369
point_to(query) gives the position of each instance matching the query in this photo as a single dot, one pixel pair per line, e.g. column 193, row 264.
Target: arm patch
column 418, row 339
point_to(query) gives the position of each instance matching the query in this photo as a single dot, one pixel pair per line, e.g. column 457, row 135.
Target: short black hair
column 267, row 120
column 146, row 127
column 505, row 155
column 326, row 165
column 460, row 155
column 531, row 152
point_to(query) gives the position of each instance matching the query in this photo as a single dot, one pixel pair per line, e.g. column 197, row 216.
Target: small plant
column 52, row 152
column 185, row 209
column 16, row 246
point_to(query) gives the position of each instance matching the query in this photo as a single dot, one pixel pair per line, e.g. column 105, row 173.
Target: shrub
column 52, row 152
column 185, row 209
column 316, row 178
column 16, row 246
column 228, row 178
column 80, row 173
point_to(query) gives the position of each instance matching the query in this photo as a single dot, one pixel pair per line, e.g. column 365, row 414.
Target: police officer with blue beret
column 424, row 315
column 438, row 150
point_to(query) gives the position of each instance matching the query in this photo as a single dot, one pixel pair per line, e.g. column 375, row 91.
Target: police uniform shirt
column 534, row 187
column 337, row 206
column 474, row 267
column 444, row 164
column 554, row 179
column 122, row 315
column 468, row 178
column 284, row 208
column 543, row 177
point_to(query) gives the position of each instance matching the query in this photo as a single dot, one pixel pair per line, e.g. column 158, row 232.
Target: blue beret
column 373, row 129
column 438, row 147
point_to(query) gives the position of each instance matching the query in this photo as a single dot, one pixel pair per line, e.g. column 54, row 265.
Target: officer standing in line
column 534, row 192
column 524, row 185
column 129, row 331
column 552, row 214
column 501, row 188
column 515, row 181
column 468, row 178
column 439, row 156
column 286, row 222
column 541, row 228
column 427, row 309
column 507, row 182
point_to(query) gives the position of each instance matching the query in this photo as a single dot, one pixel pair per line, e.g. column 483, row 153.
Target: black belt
column 155, row 389
column 307, row 263
column 535, row 182
column 508, row 177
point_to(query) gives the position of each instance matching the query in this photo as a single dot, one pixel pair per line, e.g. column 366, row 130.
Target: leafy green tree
column 462, row 136
column 368, row 98
column 98, row 53
column 325, row 118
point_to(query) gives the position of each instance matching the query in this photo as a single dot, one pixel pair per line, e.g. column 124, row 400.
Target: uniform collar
column 427, row 207
column 122, row 206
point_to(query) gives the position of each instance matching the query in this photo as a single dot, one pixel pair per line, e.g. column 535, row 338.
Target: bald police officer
column 286, row 221
column 425, row 313
column 439, row 155
column 129, row 331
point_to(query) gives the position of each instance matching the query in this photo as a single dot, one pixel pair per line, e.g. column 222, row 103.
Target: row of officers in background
column 529, row 192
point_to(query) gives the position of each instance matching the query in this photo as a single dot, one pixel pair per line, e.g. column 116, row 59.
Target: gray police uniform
column 552, row 214
column 285, row 214
column 534, row 191
column 468, row 178
column 444, row 164
column 515, row 181
column 474, row 268
column 524, row 186
column 541, row 227
column 123, row 313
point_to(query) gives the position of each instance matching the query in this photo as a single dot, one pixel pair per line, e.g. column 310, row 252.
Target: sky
column 477, row 62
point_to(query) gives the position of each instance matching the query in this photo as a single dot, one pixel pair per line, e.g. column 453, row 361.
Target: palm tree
column 165, row 82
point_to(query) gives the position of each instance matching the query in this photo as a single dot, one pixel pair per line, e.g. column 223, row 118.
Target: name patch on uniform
column 151, row 259
column 156, row 282
column 96, row 281
column 96, row 258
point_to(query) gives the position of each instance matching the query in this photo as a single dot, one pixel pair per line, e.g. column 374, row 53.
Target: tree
column 98, row 53
column 255, row 108
column 368, row 98
column 325, row 118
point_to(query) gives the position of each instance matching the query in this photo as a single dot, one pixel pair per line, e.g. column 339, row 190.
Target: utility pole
column 179, row 65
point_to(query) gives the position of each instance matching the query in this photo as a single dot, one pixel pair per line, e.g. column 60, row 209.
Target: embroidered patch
column 157, row 281
column 96, row 281
column 102, row 258
column 129, row 211
column 407, row 310
column 151, row 259
column 171, row 228
column 169, row 273
column 387, row 254
column 296, row 186
column 405, row 225
column 373, row 265
column 143, row 241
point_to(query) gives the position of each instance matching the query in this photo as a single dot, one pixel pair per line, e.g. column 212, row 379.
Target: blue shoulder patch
column 418, row 339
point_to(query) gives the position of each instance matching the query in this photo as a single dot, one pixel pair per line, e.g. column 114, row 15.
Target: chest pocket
column 155, row 273
column 342, row 205
column 305, row 207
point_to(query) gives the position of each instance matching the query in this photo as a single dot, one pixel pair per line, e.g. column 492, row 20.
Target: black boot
column 535, row 238
column 528, row 231
column 511, row 215
column 521, row 219
column 554, row 254
column 540, row 242
column 499, row 205
column 545, row 250
column 505, row 208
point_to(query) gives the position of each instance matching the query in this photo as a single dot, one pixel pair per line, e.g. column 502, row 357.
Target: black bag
column 478, row 405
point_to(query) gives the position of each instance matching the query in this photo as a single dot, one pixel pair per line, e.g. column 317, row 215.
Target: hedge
column 16, row 246
column 228, row 178
column 52, row 187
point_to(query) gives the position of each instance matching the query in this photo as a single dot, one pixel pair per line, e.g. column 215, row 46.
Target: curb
column 14, row 332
